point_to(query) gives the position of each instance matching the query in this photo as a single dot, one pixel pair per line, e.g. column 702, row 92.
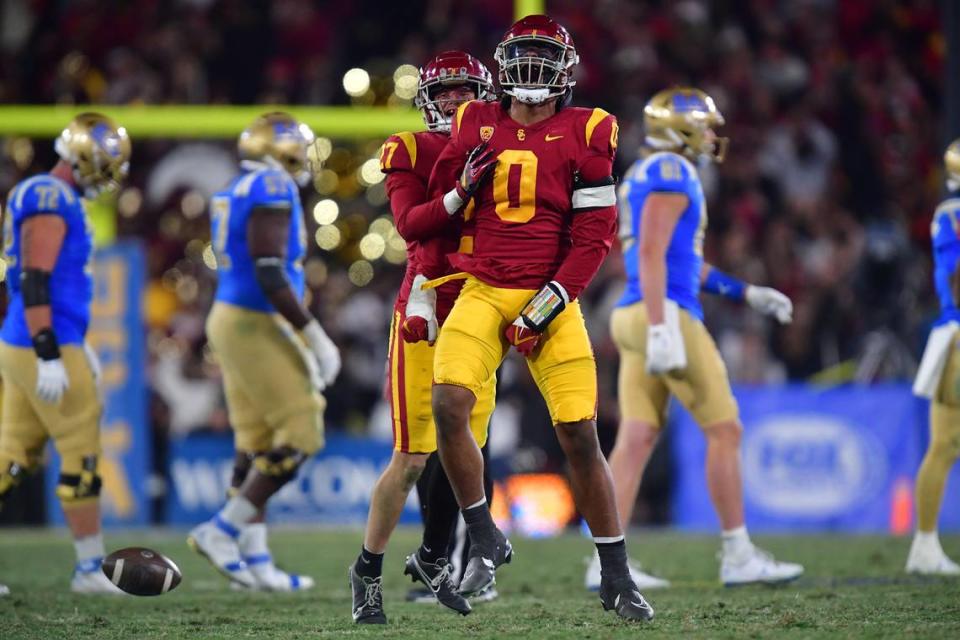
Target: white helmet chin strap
column 953, row 184
column 529, row 96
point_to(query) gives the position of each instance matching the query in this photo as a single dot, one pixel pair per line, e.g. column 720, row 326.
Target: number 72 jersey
column 71, row 281
column 524, row 213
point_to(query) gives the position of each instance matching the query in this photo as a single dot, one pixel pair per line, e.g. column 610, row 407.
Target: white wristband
column 452, row 202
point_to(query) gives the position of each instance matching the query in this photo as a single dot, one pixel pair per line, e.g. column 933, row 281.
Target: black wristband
column 45, row 345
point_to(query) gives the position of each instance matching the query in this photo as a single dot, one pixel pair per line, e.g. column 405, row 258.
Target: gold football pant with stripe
column 27, row 422
column 410, row 388
column 703, row 387
column 271, row 400
column 944, row 447
column 472, row 345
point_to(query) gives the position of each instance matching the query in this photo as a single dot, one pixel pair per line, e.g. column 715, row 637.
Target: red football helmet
column 536, row 58
column 450, row 69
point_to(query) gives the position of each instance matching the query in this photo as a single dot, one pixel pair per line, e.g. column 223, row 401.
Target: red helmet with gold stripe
column 536, row 59
column 450, row 69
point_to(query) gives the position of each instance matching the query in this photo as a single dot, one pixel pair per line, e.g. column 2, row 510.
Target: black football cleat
column 367, row 598
column 436, row 577
column 623, row 597
column 485, row 557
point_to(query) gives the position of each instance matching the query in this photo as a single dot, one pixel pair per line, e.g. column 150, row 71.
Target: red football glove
column 522, row 337
column 525, row 332
column 415, row 329
column 480, row 164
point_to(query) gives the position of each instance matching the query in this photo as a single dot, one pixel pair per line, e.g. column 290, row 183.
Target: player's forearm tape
column 452, row 202
column 45, row 345
column 723, row 284
column 545, row 306
column 271, row 275
column 35, row 287
column 594, row 195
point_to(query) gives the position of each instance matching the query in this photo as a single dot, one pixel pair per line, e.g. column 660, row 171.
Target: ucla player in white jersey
column 939, row 380
column 49, row 373
column 275, row 356
column 658, row 324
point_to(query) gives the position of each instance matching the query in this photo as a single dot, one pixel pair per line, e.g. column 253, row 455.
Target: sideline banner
column 116, row 333
column 840, row 459
column 332, row 488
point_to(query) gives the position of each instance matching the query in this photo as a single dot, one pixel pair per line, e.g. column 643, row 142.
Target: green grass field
column 854, row 588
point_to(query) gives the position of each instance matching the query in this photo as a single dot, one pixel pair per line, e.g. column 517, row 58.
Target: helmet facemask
column 436, row 108
column 534, row 69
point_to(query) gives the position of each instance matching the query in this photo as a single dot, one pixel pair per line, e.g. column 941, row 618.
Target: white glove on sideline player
column 770, row 302
column 659, row 349
column 326, row 353
column 52, row 380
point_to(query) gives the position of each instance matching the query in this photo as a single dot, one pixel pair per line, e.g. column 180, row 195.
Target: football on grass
column 141, row 572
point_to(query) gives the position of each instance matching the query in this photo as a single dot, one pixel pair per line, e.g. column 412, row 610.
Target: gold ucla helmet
column 951, row 162
column 280, row 140
column 678, row 120
column 98, row 151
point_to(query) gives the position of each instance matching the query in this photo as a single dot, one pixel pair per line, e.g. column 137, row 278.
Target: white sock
column 928, row 539
column 89, row 547
column 253, row 540
column 736, row 542
column 238, row 511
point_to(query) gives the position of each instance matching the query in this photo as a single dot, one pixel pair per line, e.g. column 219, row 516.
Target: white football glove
column 770, row 302
column 422, row 303
column 326, row 353
column 659, row 349
column 52, row 380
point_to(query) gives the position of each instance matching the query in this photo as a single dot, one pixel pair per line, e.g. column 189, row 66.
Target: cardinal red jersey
column 408, row 159
column 524, row 214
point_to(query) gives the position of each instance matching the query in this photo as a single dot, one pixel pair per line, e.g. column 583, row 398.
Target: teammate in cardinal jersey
column 540, row 176
column 447, row 81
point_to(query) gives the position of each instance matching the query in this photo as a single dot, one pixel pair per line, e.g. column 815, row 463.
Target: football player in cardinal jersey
column 658, row 323
column 540, row 176
column 447, row 81
column 275, row 356
column 50, row 374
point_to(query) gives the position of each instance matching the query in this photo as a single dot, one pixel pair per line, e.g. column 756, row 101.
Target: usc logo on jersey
column 521, row 135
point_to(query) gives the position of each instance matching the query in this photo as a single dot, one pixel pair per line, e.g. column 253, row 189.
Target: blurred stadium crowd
column 827, row 193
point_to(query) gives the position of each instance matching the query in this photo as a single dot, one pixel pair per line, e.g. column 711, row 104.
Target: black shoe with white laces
column 367, row 598
column 622, row 596
column 485, row 557
column 436, row 577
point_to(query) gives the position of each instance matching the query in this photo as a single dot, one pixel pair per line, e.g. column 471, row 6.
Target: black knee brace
column 280, row 463
column 81, row 486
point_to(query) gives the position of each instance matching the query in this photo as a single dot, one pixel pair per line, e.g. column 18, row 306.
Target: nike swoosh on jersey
column 551, row 138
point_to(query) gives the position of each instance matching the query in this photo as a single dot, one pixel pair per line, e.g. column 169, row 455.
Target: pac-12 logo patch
column 486, row 133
